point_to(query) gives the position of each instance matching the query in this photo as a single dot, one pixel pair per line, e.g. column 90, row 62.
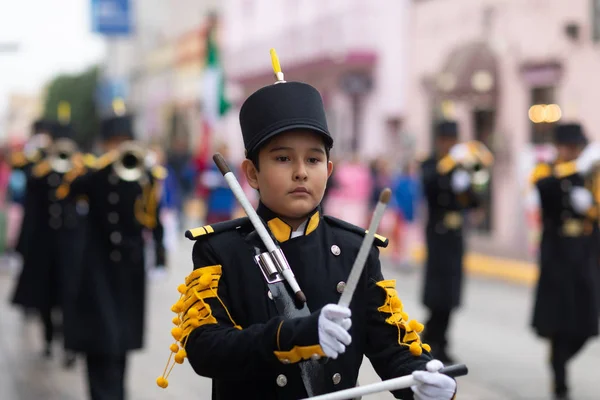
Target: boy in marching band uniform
column 228, row 324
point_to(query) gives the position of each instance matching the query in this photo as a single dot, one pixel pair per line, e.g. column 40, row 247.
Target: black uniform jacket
column 566, row 297
column 444, row 234
column 54, row 240
column 110, row 301
column 237, row 338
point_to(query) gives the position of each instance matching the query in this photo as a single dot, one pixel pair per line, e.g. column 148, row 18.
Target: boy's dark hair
column 254, row 155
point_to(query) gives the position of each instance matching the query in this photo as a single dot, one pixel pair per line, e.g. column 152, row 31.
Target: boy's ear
column 250, row 173
column 329, row 168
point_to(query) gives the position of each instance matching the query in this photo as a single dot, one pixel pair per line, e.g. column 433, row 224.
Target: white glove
column 461, row 181
column 433, row 385
column 459, row 152
column 588, row 157
column 581, row 199
column 334, row 322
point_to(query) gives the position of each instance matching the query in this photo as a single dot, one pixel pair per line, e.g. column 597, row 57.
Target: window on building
column 540, row 120
column 596, row 20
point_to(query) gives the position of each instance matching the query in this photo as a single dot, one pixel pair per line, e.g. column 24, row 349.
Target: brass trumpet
column 478, row 164
column 130, row 164
column 60, row 155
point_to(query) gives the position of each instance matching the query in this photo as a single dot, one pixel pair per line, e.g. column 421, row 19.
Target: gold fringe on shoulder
column 408, row 330
column 191, row 312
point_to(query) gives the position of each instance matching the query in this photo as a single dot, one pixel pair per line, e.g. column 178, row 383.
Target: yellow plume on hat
column 64, row 112
column 118, row 105
column 276, row 67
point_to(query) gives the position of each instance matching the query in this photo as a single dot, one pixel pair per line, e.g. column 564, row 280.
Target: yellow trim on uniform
column 592, row 213
column 106, row 159
column 313, row 223
column 198, row 231
column 159, row 172
column 89, row 160
column 565, row 169
column 408, row 330
column 382, row 238
column 299, row 353
column 280, row 229
column 18, row 160
column 445, row 165
column 41, row 169
column 200, row 284
column 540, row 171
column 378, row 236
column 209, row 229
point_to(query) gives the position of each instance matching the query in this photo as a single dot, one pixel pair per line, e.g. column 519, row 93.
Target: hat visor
column 323, row 133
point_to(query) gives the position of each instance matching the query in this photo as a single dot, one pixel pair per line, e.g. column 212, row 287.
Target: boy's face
column 568, row 152
column 113, row 143
column 293, row 174
column 444, row 144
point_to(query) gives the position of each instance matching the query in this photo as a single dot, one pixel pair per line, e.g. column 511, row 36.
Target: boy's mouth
column 300, row 189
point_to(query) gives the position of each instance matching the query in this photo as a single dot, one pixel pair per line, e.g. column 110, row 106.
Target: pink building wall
column 519, row 32
column 317, row 42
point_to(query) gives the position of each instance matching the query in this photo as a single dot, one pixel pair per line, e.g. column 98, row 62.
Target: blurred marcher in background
column 448, row 192
column 566, row 306
column 5, row 172
column 220, row 201
column 406, row 189
column 54, row 240
column 111, row 301
column 179, row 163
column 22, row 163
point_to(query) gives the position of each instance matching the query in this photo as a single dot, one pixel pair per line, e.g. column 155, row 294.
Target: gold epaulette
column 446, row 164
column 89, row 160
column 159, row 172
column 41, row 169
column 18, row 159
column 206, row 230
column 380, row 241
column 106, row 159
column 564, row 169
column 541, row 171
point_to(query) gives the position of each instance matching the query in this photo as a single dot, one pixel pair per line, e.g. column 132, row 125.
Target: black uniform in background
column 110, row 302
column 445, row 248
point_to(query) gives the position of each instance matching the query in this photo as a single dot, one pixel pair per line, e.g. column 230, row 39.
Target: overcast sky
column 54, row 37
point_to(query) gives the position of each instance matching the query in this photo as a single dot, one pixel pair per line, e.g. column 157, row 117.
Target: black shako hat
column 569, row 134
column 447, row 129
column 62, row 131
column 43, row 126
column 117, row 126
column 281, row 107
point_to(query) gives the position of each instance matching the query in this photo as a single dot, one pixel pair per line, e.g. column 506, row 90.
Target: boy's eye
column 314, row 160
column 282, row 158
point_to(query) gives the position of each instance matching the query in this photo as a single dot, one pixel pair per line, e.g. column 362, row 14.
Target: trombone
column 130, row 163
column 60, row 155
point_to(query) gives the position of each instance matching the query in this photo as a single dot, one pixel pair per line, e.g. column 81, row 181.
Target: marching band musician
column 566, row 307
column 110, row 303
column 449, row 193
column 53, row 245
column 22, row 163
column 228, row 323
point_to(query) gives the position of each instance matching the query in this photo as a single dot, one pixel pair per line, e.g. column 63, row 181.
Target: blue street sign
column 111, row 17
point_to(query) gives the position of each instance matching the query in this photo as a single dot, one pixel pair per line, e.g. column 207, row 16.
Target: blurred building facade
column 486, row 63
column 22, row 111
column 353, row 51
column 157, row 68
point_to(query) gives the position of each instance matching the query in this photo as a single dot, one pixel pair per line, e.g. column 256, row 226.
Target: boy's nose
column 300, row 173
